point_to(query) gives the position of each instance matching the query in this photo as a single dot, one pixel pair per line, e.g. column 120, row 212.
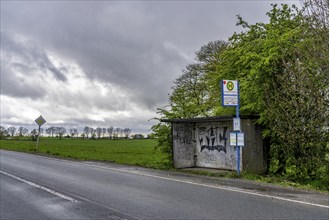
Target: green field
column 132, row 152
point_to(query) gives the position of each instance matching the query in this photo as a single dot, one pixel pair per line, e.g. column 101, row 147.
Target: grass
column 131, row 152
column 317, row 185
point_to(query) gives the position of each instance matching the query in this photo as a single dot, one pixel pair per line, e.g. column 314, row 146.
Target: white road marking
column 40, row 187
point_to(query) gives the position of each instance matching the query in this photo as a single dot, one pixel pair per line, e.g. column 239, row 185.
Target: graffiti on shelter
column 212, row 139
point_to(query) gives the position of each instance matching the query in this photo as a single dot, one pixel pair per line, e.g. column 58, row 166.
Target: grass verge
column 130, row 152
column 275, row 180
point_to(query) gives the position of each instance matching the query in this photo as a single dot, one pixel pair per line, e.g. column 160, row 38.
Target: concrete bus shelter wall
column 204, row 142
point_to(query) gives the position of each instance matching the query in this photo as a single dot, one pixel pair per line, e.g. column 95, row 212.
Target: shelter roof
column 208, row 119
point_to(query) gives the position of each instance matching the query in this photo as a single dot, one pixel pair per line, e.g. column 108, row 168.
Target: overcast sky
column 104, row 63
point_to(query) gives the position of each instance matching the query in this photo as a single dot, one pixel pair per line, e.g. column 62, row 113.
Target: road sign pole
column 238, row 160
column 237, row 146
column 36, row 146
column 238, row 105
column 40, row 121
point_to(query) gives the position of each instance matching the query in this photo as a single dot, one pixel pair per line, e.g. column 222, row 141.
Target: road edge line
column 40, row 187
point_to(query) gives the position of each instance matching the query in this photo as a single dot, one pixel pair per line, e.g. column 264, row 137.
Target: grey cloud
column 18, row 87
column 57, row 73
column 21, row 61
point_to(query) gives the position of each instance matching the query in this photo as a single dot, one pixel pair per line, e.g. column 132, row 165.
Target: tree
column 210, row 60
column 60, row 131
column 92, row 132
column 99, row 132
column 11, row 131
column 151, row 136
column 116, row 133
column 73, row 132
column 209, row 55
column 86, row 131
column 3, row 132
column 103, row 132
column 126, row 132
column 34, row 134
column 318, row 18
column 318, row 10
column 51, row 131
column 22, row 131
column 190, row 92
column 138, row 136
column 162, row 132
column 110, row 131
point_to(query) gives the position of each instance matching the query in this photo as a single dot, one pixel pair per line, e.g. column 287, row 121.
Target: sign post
column 40, row 121
column 231, row 98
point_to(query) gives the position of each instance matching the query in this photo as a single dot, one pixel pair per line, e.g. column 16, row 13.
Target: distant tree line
column 110, row 132
column 60, row 132
column 13, row 131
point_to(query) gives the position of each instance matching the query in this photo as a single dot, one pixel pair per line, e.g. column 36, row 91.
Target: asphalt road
column 36, row 187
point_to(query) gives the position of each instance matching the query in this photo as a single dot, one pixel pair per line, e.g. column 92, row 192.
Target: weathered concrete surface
column 183, row 153
column 253, row 153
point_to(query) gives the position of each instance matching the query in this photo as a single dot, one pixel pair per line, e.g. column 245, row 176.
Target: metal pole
column 238, row 159
column 36, row 147
column 237, row 146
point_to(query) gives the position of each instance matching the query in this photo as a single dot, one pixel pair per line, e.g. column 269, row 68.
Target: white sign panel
column 236, row 139
column 233, row 138
column 241, row 139
column 230, row 100
column 230, row 92
column 236, row 124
